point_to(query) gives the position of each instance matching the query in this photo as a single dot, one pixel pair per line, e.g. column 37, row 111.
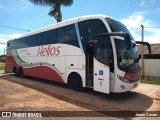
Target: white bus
column 93, row 51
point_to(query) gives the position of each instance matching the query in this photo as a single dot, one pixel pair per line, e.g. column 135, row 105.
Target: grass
column 2, row 67
column 155, row 81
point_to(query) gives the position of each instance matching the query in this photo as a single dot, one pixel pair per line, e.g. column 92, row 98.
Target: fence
column 151, row 68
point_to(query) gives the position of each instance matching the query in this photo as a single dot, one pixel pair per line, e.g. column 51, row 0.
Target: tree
column 55, row 10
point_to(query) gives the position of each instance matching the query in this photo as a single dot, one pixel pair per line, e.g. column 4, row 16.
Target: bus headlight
column 123, row 79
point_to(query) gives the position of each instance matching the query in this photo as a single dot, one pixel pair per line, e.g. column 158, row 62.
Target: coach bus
column 94, row 51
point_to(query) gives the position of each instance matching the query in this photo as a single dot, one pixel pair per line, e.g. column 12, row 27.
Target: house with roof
column 151, row 61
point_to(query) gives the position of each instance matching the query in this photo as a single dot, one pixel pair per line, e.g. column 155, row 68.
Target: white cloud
column 153, row 37
column 135, row 20
column 4, row 38
column 15, row 35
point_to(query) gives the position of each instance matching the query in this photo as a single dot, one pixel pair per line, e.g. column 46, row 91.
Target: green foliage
column 2, row 67
column 55, row 6
column 2, row 55
column 2, row 58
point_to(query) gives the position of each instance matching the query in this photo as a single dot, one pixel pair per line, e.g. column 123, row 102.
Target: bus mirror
column 137, row 60
column 145, row 43
column 122, row 34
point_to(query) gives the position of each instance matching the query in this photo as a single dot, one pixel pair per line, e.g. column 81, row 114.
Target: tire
column 15, row 71
column 75, row 82
column 20, row 73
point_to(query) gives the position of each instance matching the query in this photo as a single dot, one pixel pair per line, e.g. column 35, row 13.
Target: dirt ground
column 31, row 94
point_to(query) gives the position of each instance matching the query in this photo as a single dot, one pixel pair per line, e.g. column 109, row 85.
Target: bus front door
column 101, row 69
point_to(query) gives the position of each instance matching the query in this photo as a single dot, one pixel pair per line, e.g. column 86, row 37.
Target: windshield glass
column 117, row 26
column 127, row 60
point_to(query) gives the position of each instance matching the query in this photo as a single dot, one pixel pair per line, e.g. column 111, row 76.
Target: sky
column 26, row 16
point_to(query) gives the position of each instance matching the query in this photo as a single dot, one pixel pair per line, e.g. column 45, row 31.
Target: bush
column 2, row 58
column 155, row 81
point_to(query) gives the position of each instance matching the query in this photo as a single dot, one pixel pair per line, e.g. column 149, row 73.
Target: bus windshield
column 127, row 60
column 117, row 26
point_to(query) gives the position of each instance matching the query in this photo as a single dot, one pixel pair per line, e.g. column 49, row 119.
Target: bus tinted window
column 103, row 49
column 16, row 44
column 49, row 37
column 34, row 40
column 24, row 42
column 10, row 45
column 67, row 35
column 89, row 28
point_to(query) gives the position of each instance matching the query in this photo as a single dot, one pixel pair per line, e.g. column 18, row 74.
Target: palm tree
column 55, row 6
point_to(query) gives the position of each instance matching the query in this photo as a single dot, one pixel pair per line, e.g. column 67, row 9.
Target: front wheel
column 75, row 82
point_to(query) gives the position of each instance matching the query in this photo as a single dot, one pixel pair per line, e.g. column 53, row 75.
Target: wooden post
column 142, row 57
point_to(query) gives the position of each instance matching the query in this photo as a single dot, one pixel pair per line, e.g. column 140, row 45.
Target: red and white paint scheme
column 93, row 51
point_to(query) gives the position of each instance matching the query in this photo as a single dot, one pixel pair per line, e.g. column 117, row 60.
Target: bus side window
column 24, row 42
column 8, row 44
column 89, row 28
column 86, row 29
column 103, row 50
column 67, row 35
column 16, row 45
column 34, row 40
column 49, row 37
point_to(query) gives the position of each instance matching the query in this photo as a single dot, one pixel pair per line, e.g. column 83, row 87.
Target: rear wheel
column 15, row 71
column 20, row 73
column 75, row 82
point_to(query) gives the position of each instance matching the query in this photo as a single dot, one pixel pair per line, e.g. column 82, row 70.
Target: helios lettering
column 48, row 51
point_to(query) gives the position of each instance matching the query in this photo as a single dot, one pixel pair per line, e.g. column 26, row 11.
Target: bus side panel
column 55, row 62
column 82, row 62
column 72, row 62
column 63, row 67
column 10, row 62
column 44, row 72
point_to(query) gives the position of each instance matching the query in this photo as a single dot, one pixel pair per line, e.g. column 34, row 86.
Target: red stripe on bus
column 43, row 72
column 10, row 62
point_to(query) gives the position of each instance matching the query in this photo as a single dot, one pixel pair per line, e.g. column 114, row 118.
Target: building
column 151, row 61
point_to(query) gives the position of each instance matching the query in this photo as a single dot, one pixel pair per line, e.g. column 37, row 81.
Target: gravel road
column 31, row 94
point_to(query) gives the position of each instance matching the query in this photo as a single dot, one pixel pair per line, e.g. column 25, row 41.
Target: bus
column 94, row 51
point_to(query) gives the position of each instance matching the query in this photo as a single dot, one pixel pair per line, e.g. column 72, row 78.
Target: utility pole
column 142, row 57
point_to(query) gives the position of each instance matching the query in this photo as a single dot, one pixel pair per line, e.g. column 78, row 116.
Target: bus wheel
column 75, row 82
column 15, row 71
column 20, row 73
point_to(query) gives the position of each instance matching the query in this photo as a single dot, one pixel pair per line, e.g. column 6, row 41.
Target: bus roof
column 64, row 23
